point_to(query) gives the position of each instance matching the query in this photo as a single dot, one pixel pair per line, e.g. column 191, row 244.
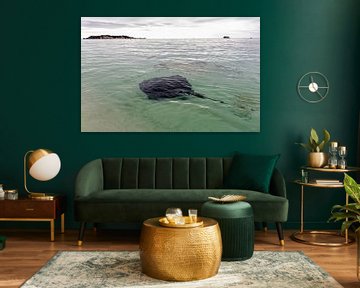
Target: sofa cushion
column 251, row 172
column 266, row 207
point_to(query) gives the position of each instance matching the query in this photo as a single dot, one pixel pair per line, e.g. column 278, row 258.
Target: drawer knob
column 29, row 209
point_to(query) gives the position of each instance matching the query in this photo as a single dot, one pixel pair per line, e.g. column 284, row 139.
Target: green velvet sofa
column 130, row 190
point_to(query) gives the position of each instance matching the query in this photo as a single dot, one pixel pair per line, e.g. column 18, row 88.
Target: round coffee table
column 180, row 254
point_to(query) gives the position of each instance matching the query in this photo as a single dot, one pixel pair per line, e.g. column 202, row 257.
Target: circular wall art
column 313, row 87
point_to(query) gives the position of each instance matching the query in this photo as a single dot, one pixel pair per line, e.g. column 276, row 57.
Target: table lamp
column 43, row 165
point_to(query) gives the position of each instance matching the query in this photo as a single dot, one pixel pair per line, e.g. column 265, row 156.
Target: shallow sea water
column 221, row 69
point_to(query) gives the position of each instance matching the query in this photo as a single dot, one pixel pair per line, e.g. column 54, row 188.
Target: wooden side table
column 26, row 209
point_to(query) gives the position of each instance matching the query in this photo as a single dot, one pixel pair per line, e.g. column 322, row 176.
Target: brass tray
column 165, row 222
column 228, row 198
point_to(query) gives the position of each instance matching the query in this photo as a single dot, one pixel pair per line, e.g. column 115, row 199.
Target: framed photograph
column 170, row 74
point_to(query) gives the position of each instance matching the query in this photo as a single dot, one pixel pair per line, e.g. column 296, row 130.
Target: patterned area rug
column 122, row 269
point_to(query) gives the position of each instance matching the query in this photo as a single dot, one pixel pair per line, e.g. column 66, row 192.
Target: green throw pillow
column 251, row 172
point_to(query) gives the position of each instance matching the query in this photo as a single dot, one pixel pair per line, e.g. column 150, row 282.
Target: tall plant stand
column 297, row 236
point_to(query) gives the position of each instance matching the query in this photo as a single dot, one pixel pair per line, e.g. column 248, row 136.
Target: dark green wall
column 40, row 88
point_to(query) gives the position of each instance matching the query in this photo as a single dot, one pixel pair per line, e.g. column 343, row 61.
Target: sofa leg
column 265, row 227
column 280, row 233
column 95, row 228
column 81, row 233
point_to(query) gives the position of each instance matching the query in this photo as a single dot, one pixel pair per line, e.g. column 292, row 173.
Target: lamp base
column 41, row 196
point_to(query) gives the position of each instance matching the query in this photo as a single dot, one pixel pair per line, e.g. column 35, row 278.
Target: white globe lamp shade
column 44, row 164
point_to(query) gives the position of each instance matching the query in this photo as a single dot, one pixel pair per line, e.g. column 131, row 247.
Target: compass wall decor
column 313, row 87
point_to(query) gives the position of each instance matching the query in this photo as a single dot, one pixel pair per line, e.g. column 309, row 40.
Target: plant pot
column 317, row 159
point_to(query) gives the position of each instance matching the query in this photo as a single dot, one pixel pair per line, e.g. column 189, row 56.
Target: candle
column 342, row 149
column 342, row 154
column 333, row 144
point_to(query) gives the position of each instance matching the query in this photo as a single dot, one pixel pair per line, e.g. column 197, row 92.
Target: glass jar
column 11, row 194
column 304, row 176
column 2, row 192
column 174, row 215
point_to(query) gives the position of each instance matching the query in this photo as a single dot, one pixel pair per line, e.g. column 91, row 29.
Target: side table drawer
column 30, row 209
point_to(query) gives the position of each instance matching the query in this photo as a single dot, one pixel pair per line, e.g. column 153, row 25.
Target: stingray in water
column 169, row 87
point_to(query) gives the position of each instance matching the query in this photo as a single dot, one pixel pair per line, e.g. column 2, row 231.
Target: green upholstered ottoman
column 236, row 221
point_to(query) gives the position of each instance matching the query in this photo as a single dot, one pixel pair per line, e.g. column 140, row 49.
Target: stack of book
column 327, row 181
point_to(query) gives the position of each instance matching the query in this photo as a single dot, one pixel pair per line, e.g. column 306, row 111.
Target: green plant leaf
column 349, row 213
column 326, row 136
column 306, row 146
column 352, row 188
column 312, row 144
column 314, row 136
column 337, row 216
column 311, row 141
column 346, row 225
column 350, row 207
column 321, row 146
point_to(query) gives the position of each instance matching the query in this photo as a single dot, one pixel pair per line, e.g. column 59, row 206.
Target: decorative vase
column 317, row 159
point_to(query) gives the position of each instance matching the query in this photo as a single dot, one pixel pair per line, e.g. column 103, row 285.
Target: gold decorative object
column 228, row 198
column 43, row 165
column 188, row 224
column 180, row 254
column 317, row 159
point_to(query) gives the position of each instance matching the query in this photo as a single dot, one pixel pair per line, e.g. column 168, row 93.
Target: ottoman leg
column 81, row 233
column 280, row 233
column 95, row 227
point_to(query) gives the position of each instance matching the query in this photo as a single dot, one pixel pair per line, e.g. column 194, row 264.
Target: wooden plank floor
column 28, row 250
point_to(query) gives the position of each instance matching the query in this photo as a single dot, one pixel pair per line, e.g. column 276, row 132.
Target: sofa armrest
column 89, row 179
column 277, row 184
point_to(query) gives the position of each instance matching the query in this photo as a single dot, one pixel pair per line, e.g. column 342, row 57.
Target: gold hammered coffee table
column 180, row 254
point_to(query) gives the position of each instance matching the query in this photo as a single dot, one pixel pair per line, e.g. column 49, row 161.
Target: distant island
column 111, row 37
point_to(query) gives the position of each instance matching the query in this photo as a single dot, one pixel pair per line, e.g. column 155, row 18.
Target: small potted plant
column 317, row 157
column 350, row 214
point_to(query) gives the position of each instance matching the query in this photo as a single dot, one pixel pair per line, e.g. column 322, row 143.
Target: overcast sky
column 172, row 27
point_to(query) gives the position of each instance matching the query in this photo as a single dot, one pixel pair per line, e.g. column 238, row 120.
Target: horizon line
column 144, row 38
